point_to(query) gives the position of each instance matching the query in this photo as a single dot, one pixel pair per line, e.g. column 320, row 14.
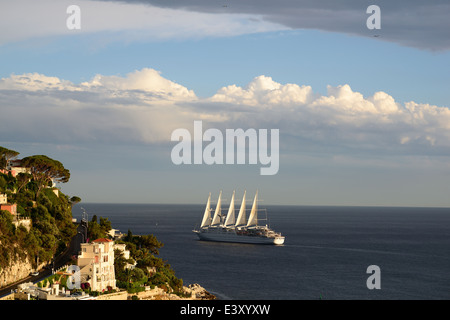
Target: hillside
column 32, row 196
column 28, row 192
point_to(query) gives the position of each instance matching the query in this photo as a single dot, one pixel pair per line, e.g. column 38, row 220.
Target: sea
column 330, row 253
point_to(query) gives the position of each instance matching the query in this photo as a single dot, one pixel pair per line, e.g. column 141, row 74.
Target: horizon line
column 273, row 205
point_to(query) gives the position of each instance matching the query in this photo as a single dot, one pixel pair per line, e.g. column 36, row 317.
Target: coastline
column 196, row 292
column 190, row 292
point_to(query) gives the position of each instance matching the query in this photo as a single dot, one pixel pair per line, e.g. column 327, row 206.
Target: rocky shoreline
column 193, row 292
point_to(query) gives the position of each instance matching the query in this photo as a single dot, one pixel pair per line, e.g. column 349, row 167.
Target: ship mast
column 241, row 216
column 229, row 221
column 216, row 217
column 207, row 215
column 253, row 219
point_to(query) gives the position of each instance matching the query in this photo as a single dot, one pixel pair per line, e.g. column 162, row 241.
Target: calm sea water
column 325, row 255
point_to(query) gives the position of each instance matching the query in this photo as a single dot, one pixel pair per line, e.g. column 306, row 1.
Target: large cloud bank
column 143, row 107
column 118, row 21
column 414, row 23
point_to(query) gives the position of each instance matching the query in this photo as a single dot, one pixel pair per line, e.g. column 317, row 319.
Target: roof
column 102, row 240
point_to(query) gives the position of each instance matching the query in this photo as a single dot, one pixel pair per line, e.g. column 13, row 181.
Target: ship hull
column 235, row 238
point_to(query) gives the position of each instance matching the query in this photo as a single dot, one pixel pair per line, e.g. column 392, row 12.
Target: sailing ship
column 226, row 228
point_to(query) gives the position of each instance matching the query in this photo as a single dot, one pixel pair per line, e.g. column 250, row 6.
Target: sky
column 363, row 114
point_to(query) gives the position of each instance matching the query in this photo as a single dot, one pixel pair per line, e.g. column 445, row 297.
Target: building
column 115, row 234
column 126, row 254
column 12, row 208
column 4, row 205
column 26, row 291
column 15, row 167
column 96, row 262
column 122, row 247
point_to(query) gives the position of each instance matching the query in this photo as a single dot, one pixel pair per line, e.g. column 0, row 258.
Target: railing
column 60, row 268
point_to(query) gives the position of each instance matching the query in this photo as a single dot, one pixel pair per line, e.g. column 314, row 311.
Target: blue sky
column 372, row 130
column 312, row 57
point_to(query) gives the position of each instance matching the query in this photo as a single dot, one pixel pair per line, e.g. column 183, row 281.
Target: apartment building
column 96, row 262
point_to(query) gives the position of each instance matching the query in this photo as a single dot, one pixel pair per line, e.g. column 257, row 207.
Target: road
column 61, row 260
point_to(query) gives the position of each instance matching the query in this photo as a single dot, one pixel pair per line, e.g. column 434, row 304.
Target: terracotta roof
column 102, row 240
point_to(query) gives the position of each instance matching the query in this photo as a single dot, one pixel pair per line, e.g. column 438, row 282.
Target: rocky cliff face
column 196, row 292
column 17, row 270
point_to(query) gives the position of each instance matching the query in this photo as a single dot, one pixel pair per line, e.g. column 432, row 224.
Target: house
column 122, row 247
column 26, row 291
column 11, row 207
column 126, row 254
column 96, row 262
column 4, row 205
column 15, row 167
column 115, row 234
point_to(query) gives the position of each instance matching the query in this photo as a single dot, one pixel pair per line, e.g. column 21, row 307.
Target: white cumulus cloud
column 147, row 81
column 264, row 91
column 145, row 107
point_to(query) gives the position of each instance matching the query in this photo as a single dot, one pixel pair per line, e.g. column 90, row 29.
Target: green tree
column 149, row 242
column 45, row 170
column 6, row 226
column 51, row 215
column 94, row 231
column 6, row 155
column 74, row 200
column 3, row 182
column 138, row 275
column 22, row 179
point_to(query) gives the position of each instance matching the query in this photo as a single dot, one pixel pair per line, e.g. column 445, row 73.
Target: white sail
column 216, row 218
column 241, row 216
column 207, row 215
column 253, row 218
column 229, row 221
column 218, row 229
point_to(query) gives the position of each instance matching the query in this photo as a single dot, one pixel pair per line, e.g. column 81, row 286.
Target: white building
column 115, row 234
column 122, row 247
column 15, row 167
column 96, row 263
column 126, row 254
column 27, row 290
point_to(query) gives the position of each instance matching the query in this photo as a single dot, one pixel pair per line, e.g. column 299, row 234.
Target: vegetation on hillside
column 51, row 214
column 148, row 270
column 52, row 226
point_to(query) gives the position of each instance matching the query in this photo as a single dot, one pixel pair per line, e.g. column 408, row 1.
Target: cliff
column 15, row 271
